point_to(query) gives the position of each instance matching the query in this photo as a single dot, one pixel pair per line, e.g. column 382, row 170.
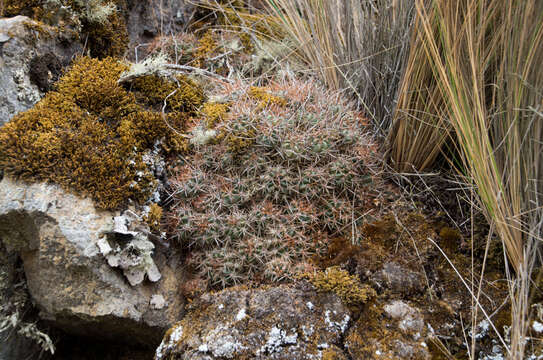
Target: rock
column 148, row 19
column 284, row 322
column 31, row 59
column 398, row 279
column 13, row 304
column 410, row 319
column 373, row 336
column 72, row 255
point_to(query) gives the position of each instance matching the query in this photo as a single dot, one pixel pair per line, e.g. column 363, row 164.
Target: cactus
column 264, row 198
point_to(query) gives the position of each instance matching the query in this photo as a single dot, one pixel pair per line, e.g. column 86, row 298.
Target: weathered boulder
column 284, row 322
column 89, row 272
column 31, row 59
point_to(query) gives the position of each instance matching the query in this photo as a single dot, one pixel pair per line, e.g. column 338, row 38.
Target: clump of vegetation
column 182, row 95
column 206, row 47
column 20, row 7
column 214, row 113
column 108, row 38
column 480, row 61
column 356, row 45
column 154, row 216
column 100, row 22
column 344, row 285
column 265, row 97
column 263, row 199
column 90, row 136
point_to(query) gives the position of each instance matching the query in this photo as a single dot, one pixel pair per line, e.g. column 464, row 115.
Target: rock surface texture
column 31, row 59
column 267, row 323
column 149, row 19
column 84, row 275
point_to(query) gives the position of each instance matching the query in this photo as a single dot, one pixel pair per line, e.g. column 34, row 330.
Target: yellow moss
column 206, row 47
column 152, row 90
column 88, row 136
column 153, row 217
column 266, row 99
column 19, row 7
column 332, row 354
column 338, row 281
column 214, row 113
column 261, row 25
column 238, row 140
column 92, row 85
column 40, row 30
column 108, row 39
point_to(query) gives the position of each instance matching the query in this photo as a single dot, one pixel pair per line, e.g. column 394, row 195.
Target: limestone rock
column 62, row 240
column 31, row 58
column 284, row 322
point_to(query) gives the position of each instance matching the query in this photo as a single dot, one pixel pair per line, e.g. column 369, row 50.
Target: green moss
column 89, row 136
column 346, row 286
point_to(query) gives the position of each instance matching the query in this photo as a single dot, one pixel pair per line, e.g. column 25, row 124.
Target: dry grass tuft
column 356, row 45
column 473, row 70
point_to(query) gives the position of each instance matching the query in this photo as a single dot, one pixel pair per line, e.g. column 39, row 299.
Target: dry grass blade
column 419, row 127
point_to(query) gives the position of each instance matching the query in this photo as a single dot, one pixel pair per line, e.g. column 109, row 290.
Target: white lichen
column 202, row 136
column 168, row 344
column 151, row 65
column 334, row 325
column 241, row 314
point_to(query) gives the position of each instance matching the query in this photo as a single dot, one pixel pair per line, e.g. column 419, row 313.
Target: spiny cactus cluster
column 260, row 212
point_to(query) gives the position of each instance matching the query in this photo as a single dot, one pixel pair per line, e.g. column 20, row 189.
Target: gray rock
column 148, row 19
column 409, row 319
column 398, row 279
column 31, row 57
column 268, row 323
column 62, row 240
